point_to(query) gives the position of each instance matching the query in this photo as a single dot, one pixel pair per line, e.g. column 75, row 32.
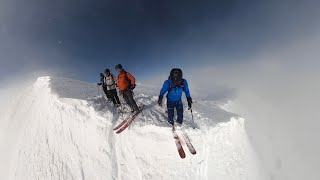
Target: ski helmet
column 119, row 66
column 176, row 75
column 107, row 71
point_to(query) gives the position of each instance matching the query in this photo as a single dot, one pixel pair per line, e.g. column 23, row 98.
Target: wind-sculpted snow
column 64, row 131
column 73, row 89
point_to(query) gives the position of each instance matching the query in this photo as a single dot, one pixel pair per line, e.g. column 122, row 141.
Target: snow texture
column 63, row 129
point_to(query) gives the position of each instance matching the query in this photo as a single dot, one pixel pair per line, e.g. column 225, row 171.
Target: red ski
column 129, row 121
column 121, row 124
column 178, row 144
column 188, row 142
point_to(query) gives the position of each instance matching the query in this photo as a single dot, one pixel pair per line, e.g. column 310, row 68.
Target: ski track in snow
column 66, row 132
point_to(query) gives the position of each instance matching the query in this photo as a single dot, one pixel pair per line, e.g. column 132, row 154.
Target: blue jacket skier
column 175, row 86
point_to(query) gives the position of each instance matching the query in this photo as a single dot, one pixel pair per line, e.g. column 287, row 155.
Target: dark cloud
column 146, row 36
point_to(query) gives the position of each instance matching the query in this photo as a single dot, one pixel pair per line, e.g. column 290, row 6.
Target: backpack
column 114, row 82
column 127, row 79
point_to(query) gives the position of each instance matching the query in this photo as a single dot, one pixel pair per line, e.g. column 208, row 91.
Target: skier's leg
column 132, row 101
column 106, row 92
column 116, row 96
column 113, row 100
column 125, row 97
column 109, row 95
column 113, row 97
column 179, row 107
column 170, row 107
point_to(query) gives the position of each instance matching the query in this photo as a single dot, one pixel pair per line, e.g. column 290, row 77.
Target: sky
column 80, row 38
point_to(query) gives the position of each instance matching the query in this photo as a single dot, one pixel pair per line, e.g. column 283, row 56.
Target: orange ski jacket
column 124, row 79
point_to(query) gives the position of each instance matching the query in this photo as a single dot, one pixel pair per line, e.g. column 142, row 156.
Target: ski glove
column 189, row 99
column 160, row 100
column 99, row 84
column 133, row 86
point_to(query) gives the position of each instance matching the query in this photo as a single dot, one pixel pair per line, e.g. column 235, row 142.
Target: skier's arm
column 101, row 82
column 186, row 89
column 187, row 92
column 104, row 82
column 164, row 88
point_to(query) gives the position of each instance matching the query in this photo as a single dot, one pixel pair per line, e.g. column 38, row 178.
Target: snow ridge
column 65, row 132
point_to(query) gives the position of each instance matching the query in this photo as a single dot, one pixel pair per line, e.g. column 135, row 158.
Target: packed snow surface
column 63, row 129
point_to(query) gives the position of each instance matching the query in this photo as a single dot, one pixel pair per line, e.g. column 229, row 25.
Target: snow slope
column 62, row 129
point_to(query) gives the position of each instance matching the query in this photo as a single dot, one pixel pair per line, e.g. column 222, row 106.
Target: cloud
column 277, row 92
column 278, row 96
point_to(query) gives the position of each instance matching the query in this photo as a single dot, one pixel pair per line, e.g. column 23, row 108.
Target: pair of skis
column 179, row 143
column 126, row 123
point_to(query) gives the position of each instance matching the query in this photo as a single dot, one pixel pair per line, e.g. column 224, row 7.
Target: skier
column 111, row 87
column 104, row 87
column 126, row 83
column 175, row 85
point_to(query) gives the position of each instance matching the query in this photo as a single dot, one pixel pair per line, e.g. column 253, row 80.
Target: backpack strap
column 171, row 85
column 182, row 83
column 102, row 80
column 170, row 88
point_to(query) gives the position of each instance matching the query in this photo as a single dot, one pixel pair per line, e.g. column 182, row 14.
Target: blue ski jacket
column 175, row 92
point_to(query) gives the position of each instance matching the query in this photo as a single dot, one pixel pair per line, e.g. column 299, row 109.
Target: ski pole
column 191, row 115
column 98, row 91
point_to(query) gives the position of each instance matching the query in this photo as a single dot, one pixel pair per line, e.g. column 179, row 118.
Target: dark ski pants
column 105, row 90
column 113, row 96
column 179, row 108
column 128, row 97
